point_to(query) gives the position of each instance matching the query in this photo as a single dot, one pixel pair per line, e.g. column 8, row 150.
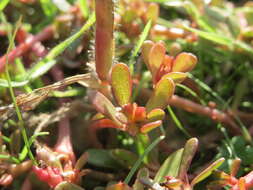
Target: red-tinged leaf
column 208, row 171
column 163, row 91
column 150, row 126
column 104, row 46
column 190, row 149
column 145, row 50
column 156, row 57
column 121, row 83
column 129, row 111
column 119, row 186
column 103, row 105
column 155, row 114
column 184, row 62
column 177, row 77
column 235, row 166
column 140, row 114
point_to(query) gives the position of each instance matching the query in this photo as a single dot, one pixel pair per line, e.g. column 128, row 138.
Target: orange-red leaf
column 184, row 62
column 150, row 126
column 156, row 56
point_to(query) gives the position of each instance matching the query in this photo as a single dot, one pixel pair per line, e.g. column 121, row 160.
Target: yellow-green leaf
column 121, row 83
column 155, row 114
column 163, row 91
column 206, row 172
column 177, row 77
column 170, row 166
column 150, row 126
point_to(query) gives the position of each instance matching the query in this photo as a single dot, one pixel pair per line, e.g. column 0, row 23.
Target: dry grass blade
column 29, row 101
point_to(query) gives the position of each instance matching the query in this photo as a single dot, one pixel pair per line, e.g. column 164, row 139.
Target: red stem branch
column 25, row 46
column 213, row 113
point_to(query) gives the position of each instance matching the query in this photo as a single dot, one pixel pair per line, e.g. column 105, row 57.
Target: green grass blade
column 177, row 122
column 137, row 47
column 191, row 92
column 142, row 38
column 137, row 164
column 48, row 62
column 24, row 151
column 216, row 38
column 21, row 122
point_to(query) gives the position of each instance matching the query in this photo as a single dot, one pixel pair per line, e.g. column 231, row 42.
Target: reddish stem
column 26, row 185
column 213, row 113
column 64, row 144
column 98, row 125
column 25, row 46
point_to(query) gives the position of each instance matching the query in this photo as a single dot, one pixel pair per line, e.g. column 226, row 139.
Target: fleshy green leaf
column 124, row 157
column 102, row 158
column 170, row 166
column 177, row 77
column 67, row 186
column 155, row 114
column 121, row 83
column 163, row 91
column 184, row 62
column 190, row 149
column 156, row 57
column 204, row 174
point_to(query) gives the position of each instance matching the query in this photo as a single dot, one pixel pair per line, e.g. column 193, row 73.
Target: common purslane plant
column 108, row 99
